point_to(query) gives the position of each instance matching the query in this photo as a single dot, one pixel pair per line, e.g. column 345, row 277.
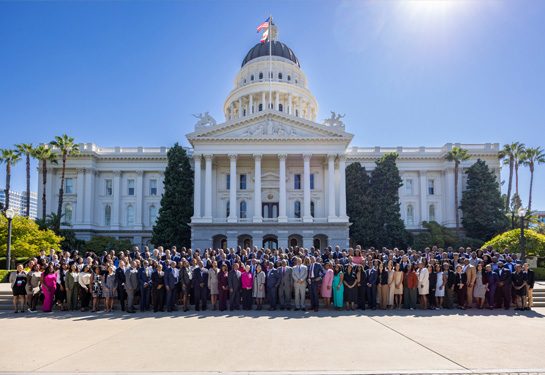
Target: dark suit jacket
column 273, row 278
column 461, row 278
column 451, row 278
column 143, row 278
column 233, row 279
column 170, row 278
column 200, row 276
column 318, row 273
column 157, row 279
column 505, row 275
column 531, row 279
column 120, row 277
column 372, row 276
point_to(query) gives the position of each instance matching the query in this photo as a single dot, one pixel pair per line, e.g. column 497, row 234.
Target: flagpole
column 270, row 59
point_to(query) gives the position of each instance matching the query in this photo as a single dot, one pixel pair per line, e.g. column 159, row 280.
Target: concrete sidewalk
column 280, row 341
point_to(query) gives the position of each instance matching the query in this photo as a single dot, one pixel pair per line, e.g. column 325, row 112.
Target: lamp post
column 10, row 214
column 522, row 214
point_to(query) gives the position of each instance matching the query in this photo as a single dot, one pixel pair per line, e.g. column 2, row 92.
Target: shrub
column 534, row 242
column 4, row 276
column 99, row 244
column 540, row 273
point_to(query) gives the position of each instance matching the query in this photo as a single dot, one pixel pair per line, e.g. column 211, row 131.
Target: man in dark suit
column 273, row 281
column 120, row 279
column 144, row 284
column 131, row 284
column 170, row 284
column 200, row 286
column 315, row 274
column 504, row 286
column 286, row 285
column 235, row 285
column 530, row 281
column 134, row 253
column 448, row 301
column 372, row 277
column 158, row 288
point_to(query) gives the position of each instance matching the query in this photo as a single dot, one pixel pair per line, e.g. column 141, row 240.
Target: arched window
column 279, row 75
column 317, row 243
column 228, row 209
column 289, row 78
column 152, row 214
column 130, row 215
column 223, row 243
column 252, row 78
column 296, row 113
column 260, row 75
column 68, row 213
column 243, row 210
column 260, row 107
column 410, row 215
column 432, row 212
column 280, row 107
column 297, row 209
column 244, row 80
column 312, row 208
column 108, row 215
column 293, row 242
column 244, row 113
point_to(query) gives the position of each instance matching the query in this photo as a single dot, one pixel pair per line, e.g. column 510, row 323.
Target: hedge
column 540, row 273
column 4, row 276
column 534, row 243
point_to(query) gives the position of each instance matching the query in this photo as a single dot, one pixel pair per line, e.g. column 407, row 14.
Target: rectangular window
column 130, row 185
column 409, row 187
column 109, row 190
column 228, row 184
column 431, row 187
column 297, row 182
column 312, row 181
column 69, row 186
column 242, row 182
column 153, row 187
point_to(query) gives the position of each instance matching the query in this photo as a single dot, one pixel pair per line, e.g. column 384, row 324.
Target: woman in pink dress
column 327, row 281
column 49, row 285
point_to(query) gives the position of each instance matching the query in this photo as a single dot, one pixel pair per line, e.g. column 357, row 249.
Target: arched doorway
column 245, row 241
column 295, row 240
column 319, row 242
column 270, row 242
column 219, row 241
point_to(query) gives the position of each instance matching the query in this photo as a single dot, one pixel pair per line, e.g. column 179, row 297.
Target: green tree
column 26, row 237
column 44, row 155
column 482, row 203
column 533, row 156
column 172, row 226
column 534, row 243
column 27, row 150
column 388, row 229
column 508, row 155
column 457, row 155
column 9, row 157
column 66, row 147
column 360, row 204
column 520, row 155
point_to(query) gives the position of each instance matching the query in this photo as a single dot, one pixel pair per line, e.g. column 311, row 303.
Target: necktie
column 311, row 268
column 299, row 269
column 283, row 271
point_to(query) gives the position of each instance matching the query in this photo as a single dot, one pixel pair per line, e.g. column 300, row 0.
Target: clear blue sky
column 406, row 73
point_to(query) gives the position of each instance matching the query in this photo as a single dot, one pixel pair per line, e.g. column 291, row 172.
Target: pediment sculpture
column 204, row 120
column 334, row 120
column 269, row 128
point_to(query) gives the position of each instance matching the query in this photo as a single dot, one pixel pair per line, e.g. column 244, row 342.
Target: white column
column 257, row 188
column 239, row 107
column 89, row 195
column 80, row 199
column 263, row 104
column 233, row 189
column 139, row 199
column 342, row 187
column 251, row 110
column 331, row 186
column 276, row 106
column 232, row 112
column 48, row 193
column 282, row 217
column 301, row 106
column 423, row 197
column 117, row 200
column 450, row 212
column 197, row 187
column 290, row 110
column 307, row 217
column 208, row 187
column 308, row 111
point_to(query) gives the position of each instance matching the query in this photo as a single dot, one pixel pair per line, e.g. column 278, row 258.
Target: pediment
column 266, row 126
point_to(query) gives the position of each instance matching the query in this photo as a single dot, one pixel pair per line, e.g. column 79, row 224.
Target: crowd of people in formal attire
column 234, row 279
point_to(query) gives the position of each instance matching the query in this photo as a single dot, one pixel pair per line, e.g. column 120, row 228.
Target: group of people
column 164, row 279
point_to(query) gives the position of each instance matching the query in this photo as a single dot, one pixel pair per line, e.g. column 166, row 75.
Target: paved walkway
column 282, row 342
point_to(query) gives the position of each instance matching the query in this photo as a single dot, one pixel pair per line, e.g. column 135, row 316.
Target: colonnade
column 295, row 105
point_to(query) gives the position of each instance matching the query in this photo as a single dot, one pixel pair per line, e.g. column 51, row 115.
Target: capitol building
column 271, row 174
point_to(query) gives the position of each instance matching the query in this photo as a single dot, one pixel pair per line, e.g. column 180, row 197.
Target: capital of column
column 208, row 157
column 422, row 173
column 117, row 173
column 331, row 157
column 80, row 170
column 342, row 157
column 89, row 171
column 307, row 156
column 139, row 173
column 197, row 157
column 282, row 157
column 233, row 156
column 162, row 173
column 258, row 156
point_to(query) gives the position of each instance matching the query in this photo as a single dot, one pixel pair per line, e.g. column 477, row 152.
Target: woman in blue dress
column 338, row 287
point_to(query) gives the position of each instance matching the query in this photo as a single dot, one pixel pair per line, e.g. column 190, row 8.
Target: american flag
column 264, row 25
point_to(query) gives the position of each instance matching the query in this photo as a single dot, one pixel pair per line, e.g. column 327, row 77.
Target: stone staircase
column 6, row 297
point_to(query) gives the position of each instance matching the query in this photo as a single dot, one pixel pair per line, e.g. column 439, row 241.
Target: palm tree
column 54, row 222
column 519, row 156
column 533, row 156
column 10, row 157
column 44, row 154
column 27, row 150
column 508, row 155
column 67, row 147
column 457, row 155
